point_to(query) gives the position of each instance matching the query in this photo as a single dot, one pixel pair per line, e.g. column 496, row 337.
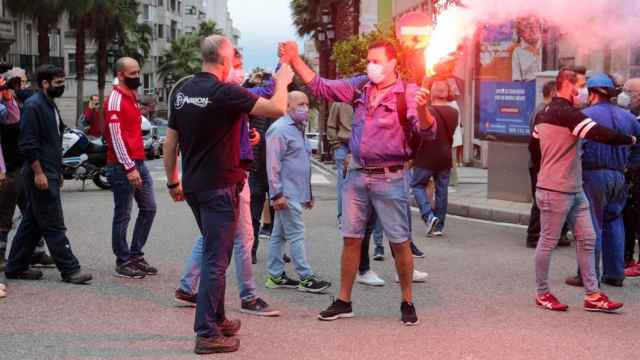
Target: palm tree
column 80, row 18
column 45, row 13
column 180, row 60
column 111, row 20
column 305, row 16
column 183, row 57
column 136, row 43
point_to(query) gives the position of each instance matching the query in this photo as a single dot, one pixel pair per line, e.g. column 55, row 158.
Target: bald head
column 632, row 85
column 298, row 98
column 215, row 49
column 127, row 67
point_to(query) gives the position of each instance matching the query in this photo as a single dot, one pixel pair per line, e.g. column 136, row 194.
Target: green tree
column 305, row 14
column 135, row 42
column 111, row 19
column 45, row 13
column 183, row 56
column 80, row 19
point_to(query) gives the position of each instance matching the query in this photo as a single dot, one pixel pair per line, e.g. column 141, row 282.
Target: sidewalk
column 469, row 198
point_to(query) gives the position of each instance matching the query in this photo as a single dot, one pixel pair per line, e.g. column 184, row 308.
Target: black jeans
column 631, row 215
column 216, row 213
column 533, row 230
column 259, row 187
column 43, row 217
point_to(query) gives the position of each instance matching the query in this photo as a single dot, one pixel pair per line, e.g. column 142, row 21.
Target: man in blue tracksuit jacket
column 603, row 175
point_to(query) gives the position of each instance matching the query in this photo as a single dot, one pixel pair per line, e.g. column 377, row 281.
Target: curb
column 462, row 209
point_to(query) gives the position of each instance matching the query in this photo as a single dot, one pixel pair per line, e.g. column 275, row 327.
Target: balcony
column 30, row 62
column 7, row 35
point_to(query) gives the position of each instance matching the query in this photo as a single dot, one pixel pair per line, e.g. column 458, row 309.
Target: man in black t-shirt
column 205, row 126
column 433, row 160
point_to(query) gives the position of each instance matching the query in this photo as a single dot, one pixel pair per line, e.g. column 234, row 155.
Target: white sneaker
column 437, row 233
column 418, row 276
column 370, row 278
column 431, row 222
column 3, row 291
column 2, row 287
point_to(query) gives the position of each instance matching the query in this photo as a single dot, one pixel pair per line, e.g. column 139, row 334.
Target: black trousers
column 259, row 187
column 631, row 216
column 533, row 231
column 43, row 217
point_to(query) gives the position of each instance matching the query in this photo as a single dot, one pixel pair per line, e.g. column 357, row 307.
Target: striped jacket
column 123, row 132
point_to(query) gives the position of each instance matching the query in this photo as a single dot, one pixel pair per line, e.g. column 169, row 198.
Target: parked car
column 314, row 139
column 150, row 140
column 161, row 133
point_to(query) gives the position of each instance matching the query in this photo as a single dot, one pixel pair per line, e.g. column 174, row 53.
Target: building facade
column 167, row 18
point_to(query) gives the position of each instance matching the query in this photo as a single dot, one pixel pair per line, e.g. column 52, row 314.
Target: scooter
column 84, row 159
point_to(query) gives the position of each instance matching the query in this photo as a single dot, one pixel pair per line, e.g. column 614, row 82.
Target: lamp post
column 325, row 34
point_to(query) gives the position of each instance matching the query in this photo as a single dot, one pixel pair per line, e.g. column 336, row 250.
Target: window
column 71, row 59
column 179, row 7
column 160, row 3
column 28, row 38
column 174, row 30
column 160, row 31
column 146, row 13
column 173, row 5
column 146, row 79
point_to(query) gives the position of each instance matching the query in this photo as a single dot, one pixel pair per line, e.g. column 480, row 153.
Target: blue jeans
column 555, row 209
column 388, row 194
column 607, row 194
column 419, row 184
column 340, row 155
column 242, row 245
column 378, row 236
column 288, row 225
column 123, row 195
column 216, row 213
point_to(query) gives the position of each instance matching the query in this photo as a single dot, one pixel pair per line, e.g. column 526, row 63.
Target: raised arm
column 277, row 105
column 331, row 90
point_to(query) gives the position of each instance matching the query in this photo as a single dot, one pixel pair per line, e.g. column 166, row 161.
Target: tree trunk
column 81, row 27
column 43, row 40
column 102, row 72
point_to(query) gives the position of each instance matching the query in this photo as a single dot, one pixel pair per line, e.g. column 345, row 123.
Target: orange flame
column 454, row 24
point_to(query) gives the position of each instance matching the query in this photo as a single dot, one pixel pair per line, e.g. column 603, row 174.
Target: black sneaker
column 612, row 281
column 217, row 344
column 281, row 281
column 144, row 266
column 415, row 251
column 78, row 278
column 378, row 253
column 258, row 307
column 42, row 260
column 337, row 310
column 313, row 285
column 286, row 259
column 254, row 259
column 128, row 270
column 183, row 298
column 25, row 275
column 409, row 316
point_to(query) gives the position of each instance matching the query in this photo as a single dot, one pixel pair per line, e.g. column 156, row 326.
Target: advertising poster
column 509, row 57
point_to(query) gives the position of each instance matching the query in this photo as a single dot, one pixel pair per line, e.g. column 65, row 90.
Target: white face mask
column 624, row 99
column 375, row 73
column 583, row 96
column 237, row 76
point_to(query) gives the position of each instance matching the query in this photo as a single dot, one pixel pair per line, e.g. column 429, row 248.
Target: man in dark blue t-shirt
column 205, row 126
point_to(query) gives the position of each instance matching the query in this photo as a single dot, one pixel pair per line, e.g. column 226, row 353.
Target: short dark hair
column 548, row 88
column 237, row 54
column 566, row 74
column 48, row 72
column 92, row 96
column 579, row 69
column 389, row 49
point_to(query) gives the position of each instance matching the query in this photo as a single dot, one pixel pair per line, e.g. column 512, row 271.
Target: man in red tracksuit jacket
column 127, row 172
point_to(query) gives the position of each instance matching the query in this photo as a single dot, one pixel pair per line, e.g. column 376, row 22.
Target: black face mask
column 55, row 91
column 132, row 83
column 23, row 94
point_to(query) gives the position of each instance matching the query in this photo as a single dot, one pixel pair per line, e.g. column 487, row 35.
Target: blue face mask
column 299, row 114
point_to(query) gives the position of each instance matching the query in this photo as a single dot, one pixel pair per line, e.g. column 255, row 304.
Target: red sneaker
column 550, row 302
column 602, row 303
column 632, row 271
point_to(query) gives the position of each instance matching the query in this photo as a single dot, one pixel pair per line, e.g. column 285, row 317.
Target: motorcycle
column 84, row 159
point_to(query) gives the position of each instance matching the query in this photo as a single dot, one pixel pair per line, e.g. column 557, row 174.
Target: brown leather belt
column 382, row 170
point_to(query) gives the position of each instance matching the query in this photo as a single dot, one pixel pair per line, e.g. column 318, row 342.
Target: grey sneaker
column 128, row 270
column 78, row 278
column 258, row 307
